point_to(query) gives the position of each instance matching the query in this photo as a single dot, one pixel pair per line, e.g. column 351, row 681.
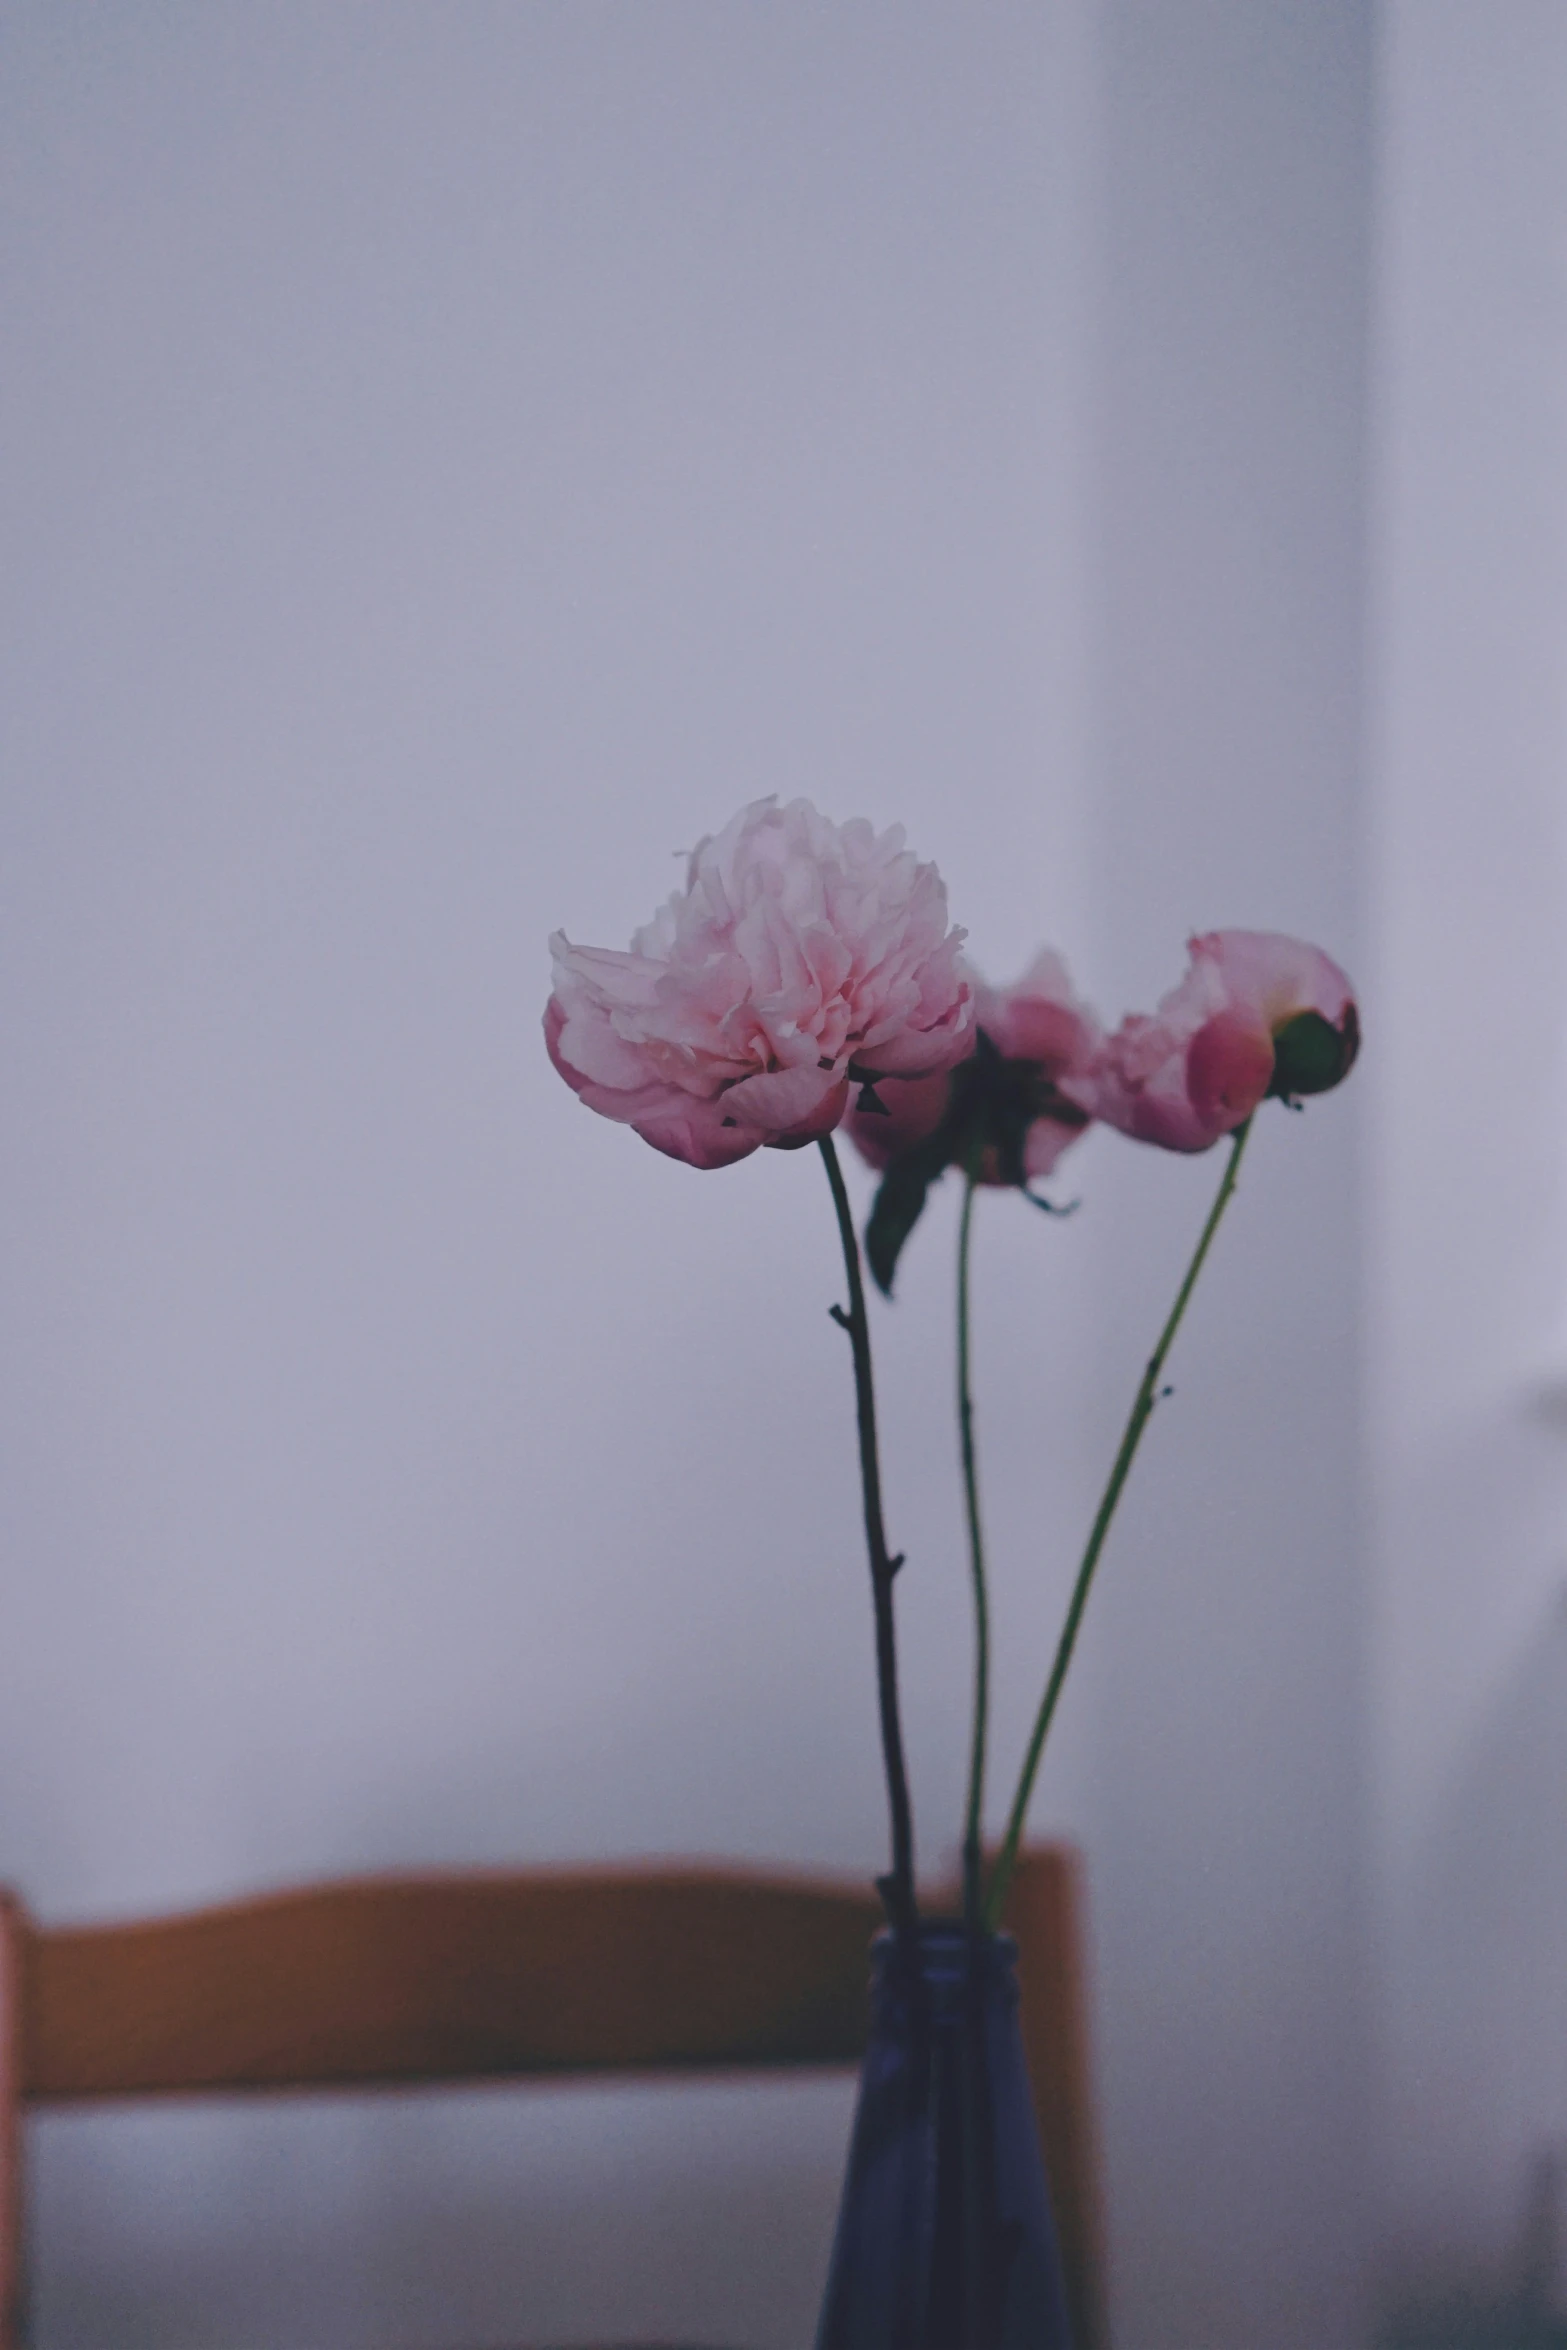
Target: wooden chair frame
column 393, row 1981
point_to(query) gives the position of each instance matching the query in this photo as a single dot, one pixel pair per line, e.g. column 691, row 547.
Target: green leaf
column 1311, row 1056
column 899, row 1204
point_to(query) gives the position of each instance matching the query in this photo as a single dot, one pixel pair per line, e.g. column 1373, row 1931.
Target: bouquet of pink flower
column 806, row 978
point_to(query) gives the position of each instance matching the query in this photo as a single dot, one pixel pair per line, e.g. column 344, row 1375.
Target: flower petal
column 797, row 949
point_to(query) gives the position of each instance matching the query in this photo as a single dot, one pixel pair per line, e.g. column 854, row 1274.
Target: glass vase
column 945, row 2239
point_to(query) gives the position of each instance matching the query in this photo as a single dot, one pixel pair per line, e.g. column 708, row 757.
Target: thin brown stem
column 897, row 1887
column 976, row 1548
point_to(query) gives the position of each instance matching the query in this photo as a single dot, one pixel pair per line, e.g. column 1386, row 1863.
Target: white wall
column 1467, row 1266
column 1225, row 786
column 451, row 458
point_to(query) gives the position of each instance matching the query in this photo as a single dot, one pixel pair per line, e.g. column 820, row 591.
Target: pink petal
column 915, row 1107
column 827, row 1114
column 779, row 1100
column 689, row 1130
column 1276, row 977
column 1044, row 1145
column 1229, row 1067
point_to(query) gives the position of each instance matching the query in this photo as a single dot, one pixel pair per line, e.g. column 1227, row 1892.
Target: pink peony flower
column 1041, row 1033
column 800, row 958
column 1257, row 1014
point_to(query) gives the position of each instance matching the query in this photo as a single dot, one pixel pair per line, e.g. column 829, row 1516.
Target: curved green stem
column 1141, row 1414
column 972, row 1891
column 897, row 1887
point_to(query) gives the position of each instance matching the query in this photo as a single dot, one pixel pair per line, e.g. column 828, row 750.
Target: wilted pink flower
column 1006, row 1100
column 1001, row 1112
column 1257, row 1014
column 801, row 957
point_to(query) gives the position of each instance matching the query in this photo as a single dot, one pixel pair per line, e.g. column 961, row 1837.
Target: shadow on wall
column 1480, row 2030
column 1522, row 2316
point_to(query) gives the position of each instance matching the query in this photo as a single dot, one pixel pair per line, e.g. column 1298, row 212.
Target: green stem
column 1141, row 1413
column 972, row 1891
column 897, row 1887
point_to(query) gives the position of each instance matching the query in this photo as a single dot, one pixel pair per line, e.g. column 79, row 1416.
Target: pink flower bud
column 1256, row 1015
column 802, row 957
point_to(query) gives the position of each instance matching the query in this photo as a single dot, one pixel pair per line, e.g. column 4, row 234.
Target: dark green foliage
column 1310, row 1055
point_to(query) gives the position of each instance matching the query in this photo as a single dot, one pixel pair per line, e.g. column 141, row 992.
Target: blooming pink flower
column 800, row 958
column 1009, row 1099
column 1257, row 1014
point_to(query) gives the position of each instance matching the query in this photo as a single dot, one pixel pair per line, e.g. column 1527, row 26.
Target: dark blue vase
column 945, row 2239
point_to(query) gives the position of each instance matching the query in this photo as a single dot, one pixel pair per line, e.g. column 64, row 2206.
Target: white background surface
column 1467, row 1289
column 451, row 458
column 454, row 457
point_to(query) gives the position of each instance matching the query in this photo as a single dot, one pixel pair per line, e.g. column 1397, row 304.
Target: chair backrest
column 396, row 1980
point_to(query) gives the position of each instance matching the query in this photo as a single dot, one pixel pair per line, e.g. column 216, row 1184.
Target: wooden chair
column 395, row 1980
